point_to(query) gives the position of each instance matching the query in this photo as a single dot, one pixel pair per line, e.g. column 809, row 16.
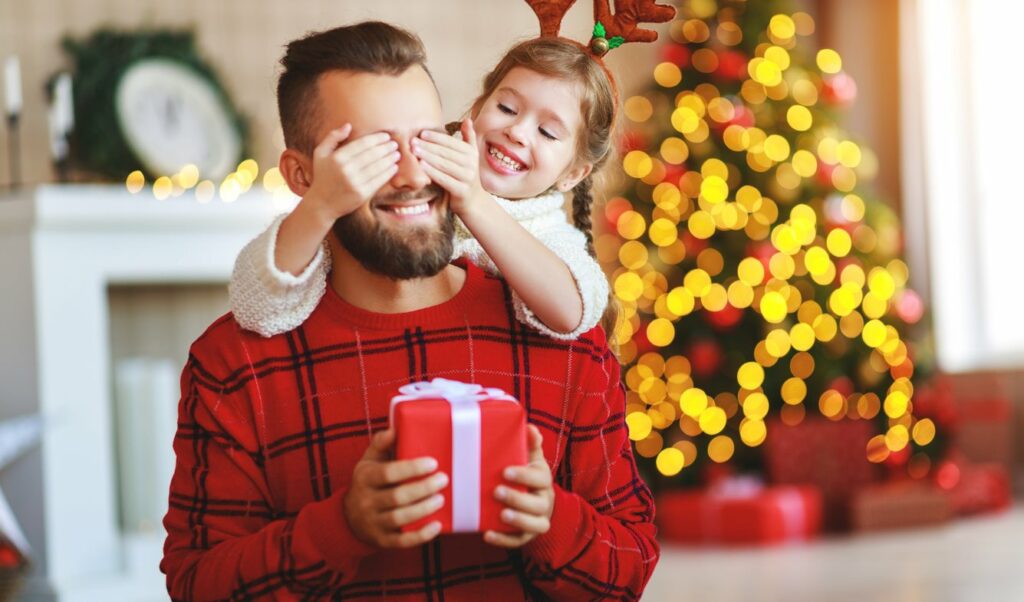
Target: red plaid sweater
column 269, row 430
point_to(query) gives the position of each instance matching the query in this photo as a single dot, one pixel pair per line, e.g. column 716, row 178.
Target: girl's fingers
column 442, row 179
column 363, row 150
column 380, row 179
column 521, row 500
column 527, row 523
column 330, row 142
column 445, row 145
column 468, row 133
column 457, row 171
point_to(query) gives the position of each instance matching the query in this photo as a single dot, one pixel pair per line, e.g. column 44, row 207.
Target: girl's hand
column 453, row 164
column 529, row 511
column 346, row 176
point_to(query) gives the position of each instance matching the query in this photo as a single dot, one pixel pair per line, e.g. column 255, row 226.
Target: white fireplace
column 61, row 247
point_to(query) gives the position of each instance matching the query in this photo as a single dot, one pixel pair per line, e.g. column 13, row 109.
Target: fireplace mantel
column 60, row 248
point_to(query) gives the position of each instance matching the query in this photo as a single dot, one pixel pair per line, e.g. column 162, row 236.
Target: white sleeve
column 269, row 301
column 570, row 245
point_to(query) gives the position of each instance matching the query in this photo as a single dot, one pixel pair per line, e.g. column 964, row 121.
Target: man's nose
column 410, row 176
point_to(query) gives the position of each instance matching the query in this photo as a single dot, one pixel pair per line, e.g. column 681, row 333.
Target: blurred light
column 638, row 109
column 670, row 461
column 828, row 61
column 135, row 181
column 162, row 187
column 639, row 425
column 720, row 449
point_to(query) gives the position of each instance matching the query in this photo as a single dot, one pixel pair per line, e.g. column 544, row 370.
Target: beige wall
column 244, row 39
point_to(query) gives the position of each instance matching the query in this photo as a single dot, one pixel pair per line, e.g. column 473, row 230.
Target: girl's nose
column 515, row 132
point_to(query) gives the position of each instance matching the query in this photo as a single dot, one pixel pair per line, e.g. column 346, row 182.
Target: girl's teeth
column 506, row 161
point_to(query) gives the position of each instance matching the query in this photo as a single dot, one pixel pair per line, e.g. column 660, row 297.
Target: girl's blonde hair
column 570, row 61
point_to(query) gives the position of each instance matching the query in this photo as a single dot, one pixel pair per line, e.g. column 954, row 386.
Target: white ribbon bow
column 466, row 461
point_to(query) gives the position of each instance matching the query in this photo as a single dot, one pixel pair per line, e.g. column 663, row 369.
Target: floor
column 969, row 560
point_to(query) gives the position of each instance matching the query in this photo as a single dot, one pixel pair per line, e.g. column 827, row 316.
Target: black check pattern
column 270, row 429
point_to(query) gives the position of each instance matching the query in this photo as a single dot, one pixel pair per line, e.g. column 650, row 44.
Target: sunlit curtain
column 963, row 156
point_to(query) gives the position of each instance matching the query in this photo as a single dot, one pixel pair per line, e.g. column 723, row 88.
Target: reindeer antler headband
column 610, row 31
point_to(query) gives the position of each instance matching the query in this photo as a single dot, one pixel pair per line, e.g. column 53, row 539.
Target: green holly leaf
column 616, row 42
column 599, row 30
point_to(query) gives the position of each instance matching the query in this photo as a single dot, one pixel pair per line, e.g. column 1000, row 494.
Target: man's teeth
column 412, row 209
column 506, row 161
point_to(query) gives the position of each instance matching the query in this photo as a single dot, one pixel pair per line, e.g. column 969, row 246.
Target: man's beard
column 415, row 252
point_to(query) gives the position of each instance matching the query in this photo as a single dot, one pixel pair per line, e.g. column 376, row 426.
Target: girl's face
column 527, row 133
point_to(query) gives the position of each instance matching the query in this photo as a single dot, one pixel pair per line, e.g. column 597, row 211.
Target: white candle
column 65, row 108
column 12, row 85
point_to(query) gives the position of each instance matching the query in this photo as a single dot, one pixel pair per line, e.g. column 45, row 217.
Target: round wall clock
column 171, row 116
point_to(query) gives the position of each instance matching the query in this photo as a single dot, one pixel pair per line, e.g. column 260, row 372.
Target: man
column 284, row 487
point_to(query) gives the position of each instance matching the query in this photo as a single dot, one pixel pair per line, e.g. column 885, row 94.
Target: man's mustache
column 396, row 197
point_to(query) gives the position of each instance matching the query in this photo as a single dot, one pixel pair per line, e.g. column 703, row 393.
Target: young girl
column 541, row 126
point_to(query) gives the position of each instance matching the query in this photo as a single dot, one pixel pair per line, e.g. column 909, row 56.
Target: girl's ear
column 296, row 168
column 574, row 176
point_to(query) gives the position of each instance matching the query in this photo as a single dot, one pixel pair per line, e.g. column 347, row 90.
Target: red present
column 899, row 504
column 484, row 429
column 829, row 455
column 739, row 513
column 980, row 488
column 985, row 431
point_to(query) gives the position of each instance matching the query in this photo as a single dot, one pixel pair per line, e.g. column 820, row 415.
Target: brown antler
column 550, row 14
column 628, row 13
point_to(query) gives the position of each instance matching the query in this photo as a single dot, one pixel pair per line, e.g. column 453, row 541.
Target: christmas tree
column 760, row 281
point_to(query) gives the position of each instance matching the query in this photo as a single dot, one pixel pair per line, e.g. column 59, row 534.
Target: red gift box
column 827, row 454
column 474, row 434
column 977, row 488
column 985, row 430
column 740, row 513
column 899, row 504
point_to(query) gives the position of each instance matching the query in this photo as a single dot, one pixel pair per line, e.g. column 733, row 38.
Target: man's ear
column 574, row 176
column 297, row 170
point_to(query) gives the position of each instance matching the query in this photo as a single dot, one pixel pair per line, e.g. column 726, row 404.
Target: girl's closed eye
column 547, row 134
column 506, row 109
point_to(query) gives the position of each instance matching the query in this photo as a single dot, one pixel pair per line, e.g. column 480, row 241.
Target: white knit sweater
column 269, row 301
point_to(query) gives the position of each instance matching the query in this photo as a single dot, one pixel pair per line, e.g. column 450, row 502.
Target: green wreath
column 98, row 145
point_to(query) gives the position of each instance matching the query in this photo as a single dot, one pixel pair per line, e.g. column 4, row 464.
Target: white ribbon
column 466, row 461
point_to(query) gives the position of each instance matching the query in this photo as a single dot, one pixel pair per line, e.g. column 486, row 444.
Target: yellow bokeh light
column 663, row 232
column 701, row 224
column 670, row 461
column 698, row 282
column 773, row 307
column 897, row 438
column 205, row 191
column 777, row 55
column 750, row 375
column 881, row 283
column 873, row 333
column 829, row 61
column 668, row 75
column 776, row 148
column 766, row 72
column 135, row 181
column 638, row 109
column 633, row 255
column 740, row 294
column 162, row 187
column 712, row 420
column 801, row 336
column 794, row 390
column 831, row 403
column 639, row 424
column 777, row 343
column 629, row 286
column 924, row 431
column 693, row 401
column 816, row 260
column 896, row 404
column 685, row 120
column 750, row 271
column 804, row 163
column 188, row 177
column 661, row 332
column 714, row 189
column 877, row 451
column 799, row 118
column 782, row 27
column 680, row 301
column 848, row 153
column 637, row 164
column 674, row 150
column 753, row 432
column 756, row 406
column 839, row 242
column 631, row 225
column 721, row 448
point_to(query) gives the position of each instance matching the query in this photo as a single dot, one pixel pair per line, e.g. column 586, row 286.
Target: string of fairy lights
column 666, row 263
column 228, row 190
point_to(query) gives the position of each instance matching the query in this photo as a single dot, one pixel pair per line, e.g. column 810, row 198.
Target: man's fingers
column 393, row 473
column 331, row 141
column 380, row 446
column 394, row 519
column 521, row 500
column 525, row 522
column 504, row 540
column 413, row 538
column 408, row 493
column 532, row 476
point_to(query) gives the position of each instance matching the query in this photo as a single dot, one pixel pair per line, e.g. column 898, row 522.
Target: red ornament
column 732, row 65
column 676, row 53
column 705, row 357
column 840, row 89
column 724, row 319
column 632, row 140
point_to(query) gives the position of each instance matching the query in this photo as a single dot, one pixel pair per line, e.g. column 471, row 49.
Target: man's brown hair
column 368, row 47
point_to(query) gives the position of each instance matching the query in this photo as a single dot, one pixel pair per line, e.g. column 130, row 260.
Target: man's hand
column 530, row 510
column 453, row 164
column 347, row 176
column 377, row 505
